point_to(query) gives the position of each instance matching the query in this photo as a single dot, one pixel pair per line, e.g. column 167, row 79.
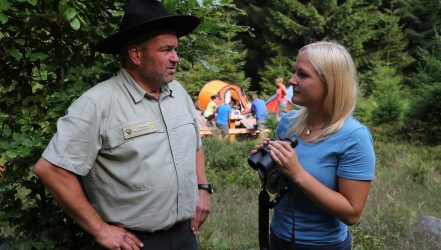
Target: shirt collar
column 136, row 92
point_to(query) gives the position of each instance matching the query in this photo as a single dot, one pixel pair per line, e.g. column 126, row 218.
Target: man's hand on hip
column 117, row 238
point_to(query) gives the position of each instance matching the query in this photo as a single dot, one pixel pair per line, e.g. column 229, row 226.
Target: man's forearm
column 200, row 166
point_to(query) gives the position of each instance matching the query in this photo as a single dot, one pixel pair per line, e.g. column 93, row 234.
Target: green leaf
column 37, row 56
column 16, row 54
column 3, row 18
column 4, row 4
column 20, row 41
column 11, row 154
column 36, row 86
column 75, row 24
column 39, row 245
column 32, row 2
column 70, row 13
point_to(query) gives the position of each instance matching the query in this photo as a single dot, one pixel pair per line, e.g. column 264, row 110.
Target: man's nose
column 174, row 57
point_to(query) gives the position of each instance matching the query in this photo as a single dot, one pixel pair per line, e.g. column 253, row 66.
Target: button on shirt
column 136, row 155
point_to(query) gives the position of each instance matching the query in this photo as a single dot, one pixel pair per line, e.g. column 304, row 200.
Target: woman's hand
column 260, row 145
column 286, row 159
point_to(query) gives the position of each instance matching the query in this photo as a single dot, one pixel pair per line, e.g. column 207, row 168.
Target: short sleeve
column 358, row 159
column 284, row 124
column 76, row 143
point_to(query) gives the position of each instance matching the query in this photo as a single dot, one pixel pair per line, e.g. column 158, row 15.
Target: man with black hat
column 134, row 141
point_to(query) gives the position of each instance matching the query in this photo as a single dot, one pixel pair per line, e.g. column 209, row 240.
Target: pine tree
column 423, row 120
column 224, row 55
column 277, row 66
column 369, row 33
column 421, row 22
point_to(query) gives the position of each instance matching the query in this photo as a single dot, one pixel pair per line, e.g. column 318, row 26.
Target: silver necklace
column 308, row 132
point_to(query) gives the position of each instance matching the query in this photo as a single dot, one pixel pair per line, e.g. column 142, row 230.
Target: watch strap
column 206, row 186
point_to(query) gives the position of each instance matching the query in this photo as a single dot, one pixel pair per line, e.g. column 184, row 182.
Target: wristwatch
column 207, row 187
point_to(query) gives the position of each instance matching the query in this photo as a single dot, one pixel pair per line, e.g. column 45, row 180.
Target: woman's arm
column 346, row 204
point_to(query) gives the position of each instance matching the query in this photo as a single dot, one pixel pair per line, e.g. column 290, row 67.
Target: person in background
column 210, row 111
column 224, row 112
column 281, row 96
column 132, row 142
column 329, row 173
column 258, row 109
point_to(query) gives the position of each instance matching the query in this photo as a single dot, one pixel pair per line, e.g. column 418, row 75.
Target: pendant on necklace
column 308, row 132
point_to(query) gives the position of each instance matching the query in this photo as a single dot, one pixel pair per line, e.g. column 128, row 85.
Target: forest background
column 48, row 60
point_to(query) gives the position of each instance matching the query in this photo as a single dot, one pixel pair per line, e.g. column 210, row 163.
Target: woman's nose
column 292, row 80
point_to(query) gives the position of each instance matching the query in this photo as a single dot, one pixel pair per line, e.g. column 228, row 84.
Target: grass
column 234, row 225
column 407, row 186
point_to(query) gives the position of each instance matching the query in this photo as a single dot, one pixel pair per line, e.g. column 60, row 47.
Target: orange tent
column 226, row 92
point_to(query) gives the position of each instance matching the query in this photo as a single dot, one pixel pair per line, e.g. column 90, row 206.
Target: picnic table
column 238, row 125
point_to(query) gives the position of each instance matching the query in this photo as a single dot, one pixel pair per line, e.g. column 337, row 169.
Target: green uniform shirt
column 137, row 155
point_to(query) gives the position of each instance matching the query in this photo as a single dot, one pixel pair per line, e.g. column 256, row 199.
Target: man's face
column 159, row 59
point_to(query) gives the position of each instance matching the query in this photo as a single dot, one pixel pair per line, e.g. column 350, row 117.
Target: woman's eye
column 301, row 74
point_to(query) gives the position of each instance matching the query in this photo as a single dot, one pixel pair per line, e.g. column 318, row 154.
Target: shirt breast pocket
column 183, row 129
column 183, row 122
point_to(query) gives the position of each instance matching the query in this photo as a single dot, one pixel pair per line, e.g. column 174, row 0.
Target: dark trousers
column 210, row 117
column 279, row 244
column 178, row 237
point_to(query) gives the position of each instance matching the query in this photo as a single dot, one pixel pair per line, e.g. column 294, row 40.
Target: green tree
column 423, row 119
column 387, row 95
column 420, row 19
column 48, row 61
column 369, row 33
column 224, row 57
column 277, row 66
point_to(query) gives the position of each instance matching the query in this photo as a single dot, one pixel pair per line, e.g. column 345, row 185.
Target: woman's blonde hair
column 336, row 69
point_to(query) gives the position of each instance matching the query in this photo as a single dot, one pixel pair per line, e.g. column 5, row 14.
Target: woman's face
column 308, row 89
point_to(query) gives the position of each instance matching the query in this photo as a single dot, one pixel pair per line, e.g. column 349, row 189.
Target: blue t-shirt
column 223, row 112
column 348, row 153
column 259, row 108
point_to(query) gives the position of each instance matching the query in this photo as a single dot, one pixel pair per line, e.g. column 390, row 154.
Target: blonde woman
column 329, row 173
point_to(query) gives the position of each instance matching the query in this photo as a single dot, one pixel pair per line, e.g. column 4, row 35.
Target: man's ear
column 134, row 55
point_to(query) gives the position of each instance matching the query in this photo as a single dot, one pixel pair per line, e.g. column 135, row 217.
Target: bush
column 424, row 117
column 230, row 166
column 234, row 155
column 387, row 94
column 271, row 123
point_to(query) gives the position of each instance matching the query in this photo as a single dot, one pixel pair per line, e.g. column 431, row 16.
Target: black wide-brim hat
column 145, row 16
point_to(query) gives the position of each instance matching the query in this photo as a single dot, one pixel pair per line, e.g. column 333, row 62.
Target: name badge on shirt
column 138, row 129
